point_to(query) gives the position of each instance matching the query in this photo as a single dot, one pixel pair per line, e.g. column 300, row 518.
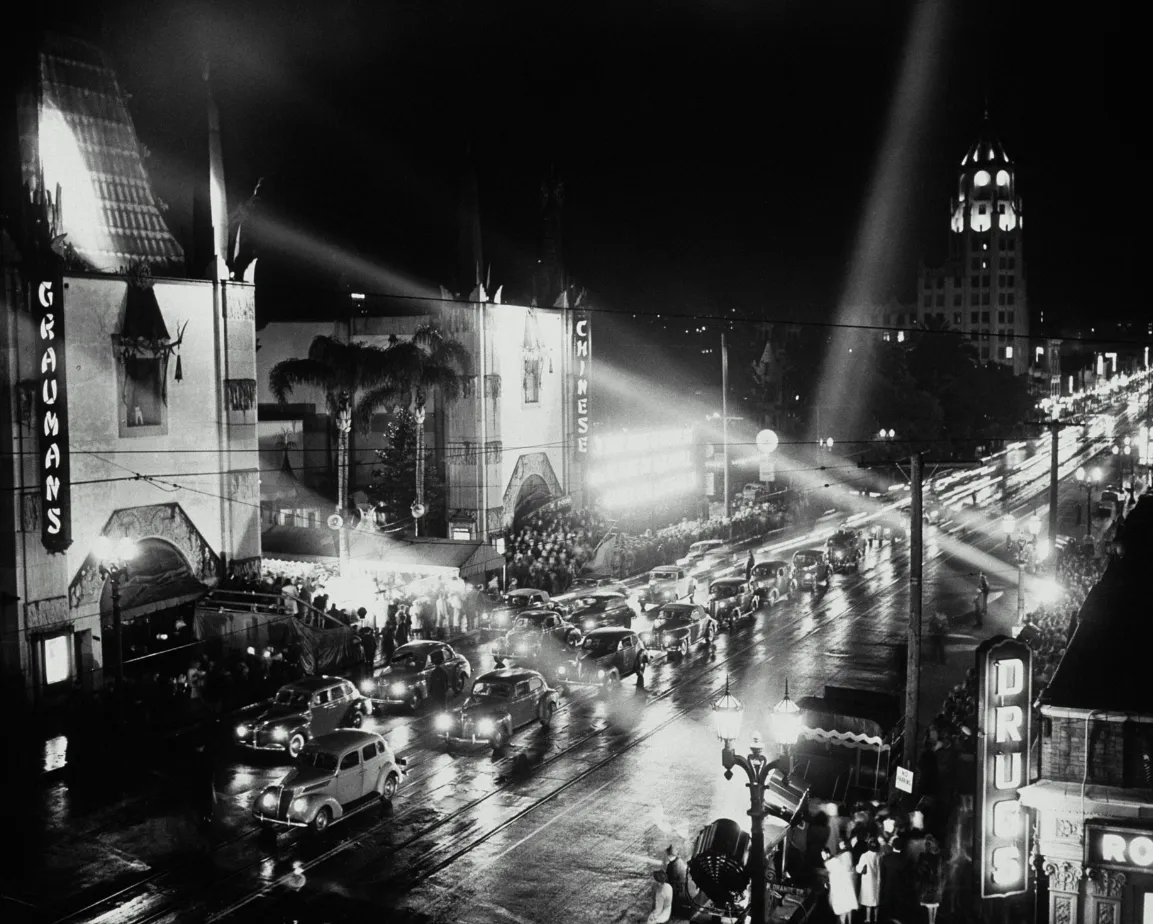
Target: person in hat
column 677, row 873
column 662, row 899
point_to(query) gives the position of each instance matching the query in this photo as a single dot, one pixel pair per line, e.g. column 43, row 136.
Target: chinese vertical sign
column 52, row 414
column 582, row 361
column 1005, row 695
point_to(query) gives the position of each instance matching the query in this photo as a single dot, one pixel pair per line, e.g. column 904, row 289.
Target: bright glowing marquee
column 1121, row 848
column 1005, row 682
column 52, row 416
column 583, row 358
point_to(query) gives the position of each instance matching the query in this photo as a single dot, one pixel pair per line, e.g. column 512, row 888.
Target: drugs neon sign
column 1005, row 690
column 582, row 362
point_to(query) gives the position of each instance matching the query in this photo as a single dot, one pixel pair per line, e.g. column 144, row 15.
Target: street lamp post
column 1087, row 479
column 1024, row 549
column 727, row 714
column 114, row 556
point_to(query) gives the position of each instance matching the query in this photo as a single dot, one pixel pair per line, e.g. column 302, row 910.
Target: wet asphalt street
column 564, row 826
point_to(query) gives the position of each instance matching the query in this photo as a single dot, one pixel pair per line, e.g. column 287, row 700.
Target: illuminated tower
column 981, row 287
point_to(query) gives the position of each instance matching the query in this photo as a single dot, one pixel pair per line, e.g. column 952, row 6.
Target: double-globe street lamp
column 786, row 726
column 1088, row 478
column 1025, row 548
column 114, row 556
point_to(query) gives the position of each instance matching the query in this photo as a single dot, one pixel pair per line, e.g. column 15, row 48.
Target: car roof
column 708, row 542
column 809, row 552
column 727, row 580
column 419, row 646
column 345, row 738
column 507, row 675
column 537, row 611
column 524, row 592
column 775, row 563
column 665, row 568
column 677, row 608
column 610, row 632
column 312, row 684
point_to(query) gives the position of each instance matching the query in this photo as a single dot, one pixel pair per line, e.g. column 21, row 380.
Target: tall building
column 980, row 289
column 127, row 397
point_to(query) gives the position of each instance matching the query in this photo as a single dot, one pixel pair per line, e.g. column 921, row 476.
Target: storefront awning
column 375, row 553
column 158, row 579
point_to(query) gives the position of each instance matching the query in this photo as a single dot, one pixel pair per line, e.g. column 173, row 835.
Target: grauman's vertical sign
column 52, row 415
column 1004, row 710
column 582, row 363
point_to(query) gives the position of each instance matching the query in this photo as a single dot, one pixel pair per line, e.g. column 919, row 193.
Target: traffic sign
column 904, row 779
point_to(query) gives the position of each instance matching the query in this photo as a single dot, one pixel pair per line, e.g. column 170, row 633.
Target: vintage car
column 602, row 608
column 731, row 599
column 586, row 582
column 667, row 584
column 844, row 550
column 335, row 775
column 811, row 568
column 536, row 635
column 605, row 657
column 404, row 680
column 773, row 581
column 510, row 605
column 501, row 701
column 705, row 555
column 299, row 712
column 679, row 626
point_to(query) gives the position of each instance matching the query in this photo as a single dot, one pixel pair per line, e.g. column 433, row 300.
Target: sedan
column 603, row 608
column 606, row 655
column 536, row 634
column 731, row 599
column 500, row 702
column 679, row 626
column 299, row 712
column 404, row 681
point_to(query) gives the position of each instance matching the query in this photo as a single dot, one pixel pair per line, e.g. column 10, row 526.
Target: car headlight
column 600, row 675
column 443, row 722
column 522, row 649
column 241, row 731
column 299, row 806
column 269, row 802
column 367, row 686
column 485, row 727
column 668, row 639
column 397, row 689
column 562, row 670
column 279, row 734
column 590, row 623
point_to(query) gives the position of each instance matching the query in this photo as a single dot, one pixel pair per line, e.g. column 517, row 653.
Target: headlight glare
column 485, row 727
column 443, row 722
column 279, row 734
column 299, row 806
column 241, row 731
column 562, row 670
column 269, row 801
column 367, row 686
column 600, row 675
column 397, row 689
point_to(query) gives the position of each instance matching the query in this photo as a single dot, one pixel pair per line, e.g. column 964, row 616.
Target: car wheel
column 459, row 682
column 500, row 739
column 414, row 700
column 388, row 790
column 322, row 820
column 683, row 650
column 547, row 710
column 356, row 719
column 295, row 745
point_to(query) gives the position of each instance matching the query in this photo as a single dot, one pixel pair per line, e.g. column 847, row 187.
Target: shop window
column 56, row 652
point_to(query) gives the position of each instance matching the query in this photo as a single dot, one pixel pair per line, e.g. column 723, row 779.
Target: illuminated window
column 981, row 178
column 530, row 381
column 1008, row 352
column 142, row 408
column 1002, row 177
column 57, row 654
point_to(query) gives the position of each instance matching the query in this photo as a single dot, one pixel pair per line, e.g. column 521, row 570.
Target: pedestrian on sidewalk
column 982, row 598
column 842, row 895
column 869, row 868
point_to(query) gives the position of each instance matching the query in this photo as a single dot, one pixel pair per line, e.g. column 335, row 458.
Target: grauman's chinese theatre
column 129, row 395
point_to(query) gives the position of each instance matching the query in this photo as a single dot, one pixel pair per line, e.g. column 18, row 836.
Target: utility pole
column 913, row 663
column 725, row 421
column 1055, row 431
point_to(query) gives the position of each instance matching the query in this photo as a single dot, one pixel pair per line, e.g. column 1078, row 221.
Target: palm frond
column 286, row 376
column 374, row 400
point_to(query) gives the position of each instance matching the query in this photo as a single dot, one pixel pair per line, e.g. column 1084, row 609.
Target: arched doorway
column 534, row 493
column 157, row 598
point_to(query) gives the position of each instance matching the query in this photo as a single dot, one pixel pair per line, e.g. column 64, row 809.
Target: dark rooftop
column 1106, row 665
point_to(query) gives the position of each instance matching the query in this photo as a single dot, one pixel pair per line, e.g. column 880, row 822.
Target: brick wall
column 1111, row 746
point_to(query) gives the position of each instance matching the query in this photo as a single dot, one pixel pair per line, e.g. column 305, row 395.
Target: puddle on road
column 55, row 753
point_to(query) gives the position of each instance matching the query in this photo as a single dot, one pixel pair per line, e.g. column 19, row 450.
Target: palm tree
column 359, row 379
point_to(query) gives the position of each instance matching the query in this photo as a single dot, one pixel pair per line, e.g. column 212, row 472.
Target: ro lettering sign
column 1005, row 695
column 582, row 361
column 52, row 416
column 1121, row 848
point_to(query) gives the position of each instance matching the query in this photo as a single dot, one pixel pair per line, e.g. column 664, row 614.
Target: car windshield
column 315, row 757
column 599, row 645
column 296, row 698
column 699, row 547
column 530, row 621
column 764, row 571
column 805, row 559
column 672, row 621
column 843, row 538
column 663, row 576
column 407, row 661
column 482, row 690
column 516, row 603
column 723, row 591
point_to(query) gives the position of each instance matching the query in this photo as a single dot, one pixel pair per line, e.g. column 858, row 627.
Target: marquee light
column 52, row 417
column 1004, row 712
column 583, row 359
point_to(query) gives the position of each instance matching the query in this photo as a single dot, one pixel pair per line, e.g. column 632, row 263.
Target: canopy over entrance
column 533, row 495
column 158, row 578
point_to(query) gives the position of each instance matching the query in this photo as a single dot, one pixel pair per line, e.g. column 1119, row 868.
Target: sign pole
column 725, row 421
column 913, row 662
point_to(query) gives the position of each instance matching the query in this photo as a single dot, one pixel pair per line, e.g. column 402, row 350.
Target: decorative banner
column 583, row 362
column 1004, row 712
column 52, row 415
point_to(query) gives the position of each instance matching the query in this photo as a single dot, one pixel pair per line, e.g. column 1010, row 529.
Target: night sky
column 716, row 155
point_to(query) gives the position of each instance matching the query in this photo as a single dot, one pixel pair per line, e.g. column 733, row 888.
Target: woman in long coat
column 869, row 867
column 842, row 894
